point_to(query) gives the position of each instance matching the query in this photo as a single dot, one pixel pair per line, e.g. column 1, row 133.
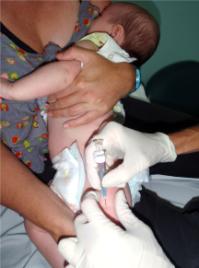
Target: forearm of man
column 187, row 140
column 24, row 193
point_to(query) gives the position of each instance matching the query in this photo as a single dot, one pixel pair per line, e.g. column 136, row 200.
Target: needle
column 100, row 159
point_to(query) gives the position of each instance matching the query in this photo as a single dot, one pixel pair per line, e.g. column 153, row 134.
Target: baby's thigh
column 60, row 137
column 108, row 203
column 45, row 244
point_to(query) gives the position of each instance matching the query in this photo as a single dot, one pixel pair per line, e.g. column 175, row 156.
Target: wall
column 179, row 26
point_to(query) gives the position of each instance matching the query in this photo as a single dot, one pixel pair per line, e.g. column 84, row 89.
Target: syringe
column 100, row 159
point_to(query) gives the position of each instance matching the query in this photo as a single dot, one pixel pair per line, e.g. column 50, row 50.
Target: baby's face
column 102, row 23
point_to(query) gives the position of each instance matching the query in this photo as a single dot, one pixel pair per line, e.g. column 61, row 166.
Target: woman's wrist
column 65, row 226
column 59, row 217
column 128, row 75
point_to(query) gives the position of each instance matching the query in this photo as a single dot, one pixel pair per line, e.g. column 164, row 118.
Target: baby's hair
column 141, row 31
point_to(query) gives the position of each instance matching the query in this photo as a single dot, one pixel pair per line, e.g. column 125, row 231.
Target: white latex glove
column 137, row 150
column 101, row 243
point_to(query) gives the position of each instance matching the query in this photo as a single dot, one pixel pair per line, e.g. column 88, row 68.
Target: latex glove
column 137, row 150
column 94, row 92
column 101, row 243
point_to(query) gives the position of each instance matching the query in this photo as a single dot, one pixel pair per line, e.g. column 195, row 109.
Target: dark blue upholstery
column 176, row 86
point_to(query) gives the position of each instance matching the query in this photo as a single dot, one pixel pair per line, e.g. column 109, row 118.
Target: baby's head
column 132, row 27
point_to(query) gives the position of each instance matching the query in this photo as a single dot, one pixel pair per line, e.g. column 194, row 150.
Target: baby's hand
column 5, row 87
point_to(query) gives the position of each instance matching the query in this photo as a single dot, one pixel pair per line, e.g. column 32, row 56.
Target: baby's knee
column 32, row 229
column 108, row 203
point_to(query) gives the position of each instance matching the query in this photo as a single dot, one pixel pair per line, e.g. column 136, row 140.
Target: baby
column 123, row 33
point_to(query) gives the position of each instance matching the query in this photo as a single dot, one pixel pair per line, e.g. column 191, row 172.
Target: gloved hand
column 101, row 243
column 137, row 150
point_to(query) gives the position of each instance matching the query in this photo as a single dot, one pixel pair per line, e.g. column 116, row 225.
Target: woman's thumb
column 73, row 53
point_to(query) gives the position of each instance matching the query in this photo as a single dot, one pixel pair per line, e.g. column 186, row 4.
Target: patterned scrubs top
column 22, row 127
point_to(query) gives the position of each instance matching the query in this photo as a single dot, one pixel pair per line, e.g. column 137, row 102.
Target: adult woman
column 43, row 22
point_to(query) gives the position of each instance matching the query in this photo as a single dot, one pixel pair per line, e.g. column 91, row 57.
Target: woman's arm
column 24, row 193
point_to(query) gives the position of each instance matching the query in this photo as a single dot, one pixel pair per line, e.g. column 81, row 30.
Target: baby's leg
column 60, row 138
column 45, row 244
column 65, row 137
column 108, row 203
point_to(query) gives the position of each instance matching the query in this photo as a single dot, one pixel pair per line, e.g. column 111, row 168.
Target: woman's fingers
column 82, row 120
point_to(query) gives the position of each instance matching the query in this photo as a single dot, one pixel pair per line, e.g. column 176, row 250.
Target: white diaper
column 69, row 179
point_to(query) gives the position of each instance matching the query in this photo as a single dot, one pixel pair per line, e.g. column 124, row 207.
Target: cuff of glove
column 170, row 151
column 152, row 260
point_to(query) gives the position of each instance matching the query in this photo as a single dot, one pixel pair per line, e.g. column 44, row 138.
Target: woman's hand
column 94, row 92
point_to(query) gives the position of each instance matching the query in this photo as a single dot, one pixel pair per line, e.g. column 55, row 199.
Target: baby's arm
column 5, row 88
column 46, row 80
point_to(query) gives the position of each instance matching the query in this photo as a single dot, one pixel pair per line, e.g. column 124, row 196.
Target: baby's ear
column 118, row 33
